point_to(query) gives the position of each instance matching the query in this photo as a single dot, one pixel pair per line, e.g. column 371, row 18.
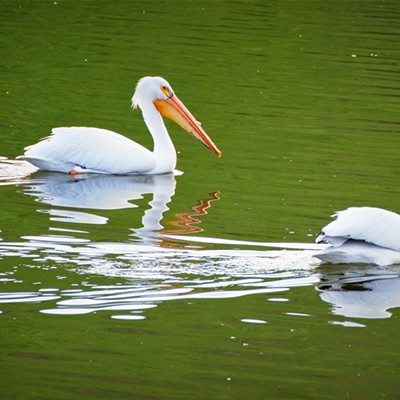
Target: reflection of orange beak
column 174, row 109
column 184, row 222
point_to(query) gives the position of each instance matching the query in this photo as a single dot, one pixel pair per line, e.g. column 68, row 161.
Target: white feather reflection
column 98, row 192
column 137, row 299
column 361, row 294
column 102, row 192
column 76, row 217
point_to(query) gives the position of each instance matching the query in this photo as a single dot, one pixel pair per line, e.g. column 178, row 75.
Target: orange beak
column 174, row 109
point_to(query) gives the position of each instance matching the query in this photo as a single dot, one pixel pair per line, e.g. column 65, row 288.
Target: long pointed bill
column 174, row 109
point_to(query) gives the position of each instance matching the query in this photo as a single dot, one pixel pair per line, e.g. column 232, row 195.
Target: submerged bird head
column 156, row 90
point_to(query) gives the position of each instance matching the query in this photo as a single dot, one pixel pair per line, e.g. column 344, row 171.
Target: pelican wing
column 91, row 150
column 372, row 225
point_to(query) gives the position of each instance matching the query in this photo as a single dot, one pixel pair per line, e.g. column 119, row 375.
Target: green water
column 302, row 98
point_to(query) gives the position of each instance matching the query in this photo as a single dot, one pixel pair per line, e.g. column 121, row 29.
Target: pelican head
column 156, row 90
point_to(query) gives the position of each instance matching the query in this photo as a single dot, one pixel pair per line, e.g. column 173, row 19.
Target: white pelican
column 82, row 149
column 362, row 234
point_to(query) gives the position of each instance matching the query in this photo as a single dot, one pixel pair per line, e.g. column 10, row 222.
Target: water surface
column 199, row 284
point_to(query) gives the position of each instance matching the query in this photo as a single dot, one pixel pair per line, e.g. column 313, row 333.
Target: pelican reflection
column 110, row 192
column 361, row 293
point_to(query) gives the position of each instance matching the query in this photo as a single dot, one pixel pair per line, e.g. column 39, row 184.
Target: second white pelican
column 81, row 149
column 362, row 234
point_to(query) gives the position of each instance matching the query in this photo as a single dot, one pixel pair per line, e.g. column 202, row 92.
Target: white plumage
column 362, row 234
column 83, row 149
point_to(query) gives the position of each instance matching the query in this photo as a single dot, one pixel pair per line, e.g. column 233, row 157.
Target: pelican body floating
column 81, row 149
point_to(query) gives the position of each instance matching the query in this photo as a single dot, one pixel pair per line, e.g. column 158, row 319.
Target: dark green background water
column 303, row 100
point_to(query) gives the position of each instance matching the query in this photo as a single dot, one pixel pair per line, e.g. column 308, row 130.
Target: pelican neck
column 164, row 150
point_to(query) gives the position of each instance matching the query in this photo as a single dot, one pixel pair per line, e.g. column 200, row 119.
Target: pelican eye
column 168, row 92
